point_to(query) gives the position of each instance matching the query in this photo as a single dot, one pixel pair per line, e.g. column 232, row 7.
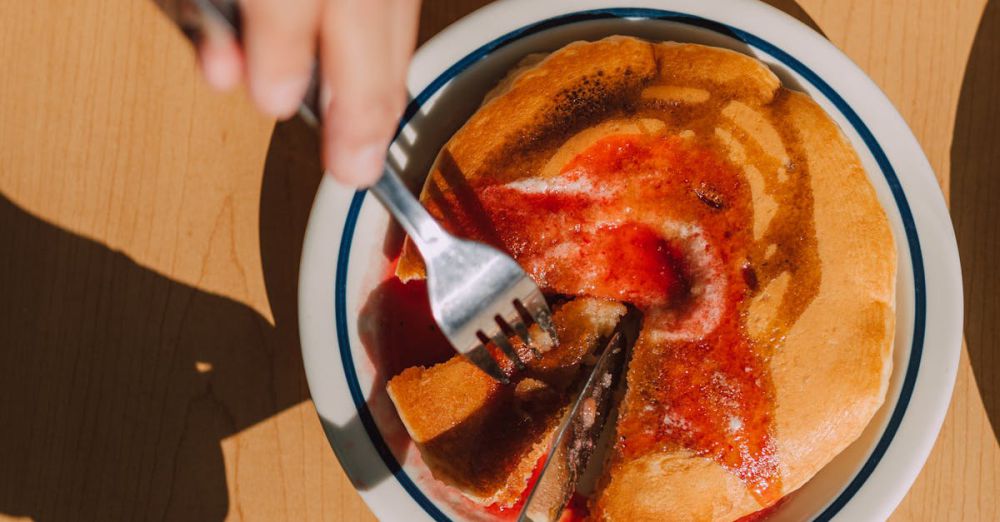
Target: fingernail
column 360, row 167
column 281, row 98
column 215, row 72
column 219, row 73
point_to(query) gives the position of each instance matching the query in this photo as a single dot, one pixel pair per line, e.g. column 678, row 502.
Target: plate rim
column 875, row 147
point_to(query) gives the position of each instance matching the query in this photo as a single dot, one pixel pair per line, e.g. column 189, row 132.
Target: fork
column 478, row 294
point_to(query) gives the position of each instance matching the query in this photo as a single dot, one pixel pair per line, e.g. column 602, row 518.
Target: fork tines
column 514, row 323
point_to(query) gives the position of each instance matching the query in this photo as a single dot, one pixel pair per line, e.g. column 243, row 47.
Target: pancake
column 484, row 438
column 686, row 181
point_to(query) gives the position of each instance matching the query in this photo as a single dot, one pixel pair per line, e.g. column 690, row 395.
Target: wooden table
column 150, row 233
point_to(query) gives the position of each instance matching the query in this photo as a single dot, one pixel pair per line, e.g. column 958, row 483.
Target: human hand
column 364, row 48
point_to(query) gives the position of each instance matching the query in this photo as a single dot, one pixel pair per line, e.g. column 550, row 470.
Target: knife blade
column 574, row 442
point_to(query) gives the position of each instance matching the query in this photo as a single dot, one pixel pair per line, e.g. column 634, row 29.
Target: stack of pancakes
column 685, row 182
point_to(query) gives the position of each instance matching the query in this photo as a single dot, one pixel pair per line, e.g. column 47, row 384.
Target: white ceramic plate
column 343, row 259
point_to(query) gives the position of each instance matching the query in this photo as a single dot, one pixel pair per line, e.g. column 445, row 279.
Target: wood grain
column 150, row 233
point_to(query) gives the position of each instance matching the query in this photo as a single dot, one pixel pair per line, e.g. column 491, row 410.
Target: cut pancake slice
column 484, row 438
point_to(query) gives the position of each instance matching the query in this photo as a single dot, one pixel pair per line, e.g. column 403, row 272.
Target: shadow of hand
column 117, row 384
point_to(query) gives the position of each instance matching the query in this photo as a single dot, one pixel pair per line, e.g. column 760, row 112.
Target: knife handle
column 192, row 15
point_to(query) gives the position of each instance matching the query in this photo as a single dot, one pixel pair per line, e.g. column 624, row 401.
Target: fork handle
column 422, row 228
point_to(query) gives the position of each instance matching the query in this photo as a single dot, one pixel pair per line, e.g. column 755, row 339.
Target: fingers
column 365, row 46
column 220, row 57
column 365, row 49
column 280, row 43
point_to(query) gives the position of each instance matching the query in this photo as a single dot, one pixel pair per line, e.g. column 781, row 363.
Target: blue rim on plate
column 920, row 304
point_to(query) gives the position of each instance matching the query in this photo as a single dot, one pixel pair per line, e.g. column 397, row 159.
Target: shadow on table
column 791, row 7
column 975, row 193
column 117, row 384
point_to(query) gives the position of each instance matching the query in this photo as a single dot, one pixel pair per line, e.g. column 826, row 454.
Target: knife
column 576, row 438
